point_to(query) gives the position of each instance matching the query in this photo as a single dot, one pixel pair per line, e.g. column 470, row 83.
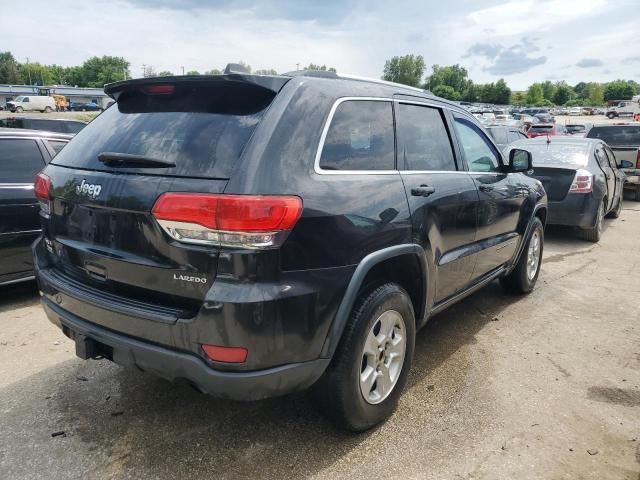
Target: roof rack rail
column 347, row 76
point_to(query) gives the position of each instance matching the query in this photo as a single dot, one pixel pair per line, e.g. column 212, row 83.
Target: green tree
column 619, row 90
column 502, row 93
column 594, row 94
column 579, row 89
column 548, row 90
column 98, row 71
column 454, row 76
column 407, row 69
column 322, row 68
column 193, row 72
column 471, row 93
column 535, row 94
column 36, row 73
column 213, row 71
column 563, row 93
column 519, row 98
column 445, row 91
column 9, row 72
column 165, row 73
column 266, row 71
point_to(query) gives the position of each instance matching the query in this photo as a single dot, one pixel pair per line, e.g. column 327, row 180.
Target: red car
column 544, row 129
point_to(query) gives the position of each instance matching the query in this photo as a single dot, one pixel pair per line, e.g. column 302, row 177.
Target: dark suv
column 257, row 235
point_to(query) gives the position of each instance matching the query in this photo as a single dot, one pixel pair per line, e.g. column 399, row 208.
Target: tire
column 594, row 234
column 611, row 116
column 343, row 392
column 48, row 110
column 19, row 109
column 615, row 213
column 84, row 109
column 524, row 276
column 636, row 195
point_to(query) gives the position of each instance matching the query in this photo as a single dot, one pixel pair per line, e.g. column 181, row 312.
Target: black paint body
column 105, row 265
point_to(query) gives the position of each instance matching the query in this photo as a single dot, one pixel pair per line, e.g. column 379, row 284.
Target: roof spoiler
column 273, row 83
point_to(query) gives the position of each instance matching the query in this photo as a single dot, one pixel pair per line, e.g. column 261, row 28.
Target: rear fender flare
column 356, row 283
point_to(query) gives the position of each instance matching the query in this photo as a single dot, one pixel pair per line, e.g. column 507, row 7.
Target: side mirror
column 626, row 164
column 520, row 160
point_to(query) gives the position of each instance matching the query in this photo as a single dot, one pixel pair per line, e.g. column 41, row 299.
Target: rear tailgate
column 101, row 234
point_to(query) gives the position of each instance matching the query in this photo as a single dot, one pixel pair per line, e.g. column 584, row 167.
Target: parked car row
column 212, row 249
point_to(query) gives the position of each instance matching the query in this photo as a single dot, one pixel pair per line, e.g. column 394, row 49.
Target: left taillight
column 244, row 221
column 42, row 190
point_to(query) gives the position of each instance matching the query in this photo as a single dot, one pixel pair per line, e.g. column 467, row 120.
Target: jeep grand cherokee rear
column 253, row 234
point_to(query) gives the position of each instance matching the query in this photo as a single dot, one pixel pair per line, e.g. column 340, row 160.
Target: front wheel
column 19, row 109
column 48, row 110
column 523, row 277
column 362, row 385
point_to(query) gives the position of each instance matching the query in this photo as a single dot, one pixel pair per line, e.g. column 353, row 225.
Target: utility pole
column 297, row 67
column 29, row 71
column 182, row 70
column 124, row 73
column 144, row 70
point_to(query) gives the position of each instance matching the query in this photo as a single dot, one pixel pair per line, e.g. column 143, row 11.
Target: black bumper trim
column 173, row 365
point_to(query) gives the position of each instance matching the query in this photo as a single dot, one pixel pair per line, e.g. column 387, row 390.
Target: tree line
column 447, row 81
column 452, row 82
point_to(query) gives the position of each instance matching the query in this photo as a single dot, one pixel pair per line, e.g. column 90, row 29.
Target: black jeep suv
column 257, row 235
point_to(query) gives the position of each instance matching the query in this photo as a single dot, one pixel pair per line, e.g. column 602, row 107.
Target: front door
column 442, row 196
column 610, row 176
column 20, row 161
column 500, row 198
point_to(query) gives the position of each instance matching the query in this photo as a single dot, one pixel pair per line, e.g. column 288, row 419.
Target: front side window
column 480, row 155
column 423, row 140
column 20, row 160
column 360, row 137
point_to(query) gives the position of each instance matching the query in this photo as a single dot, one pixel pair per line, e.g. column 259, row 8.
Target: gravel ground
column 545, row 386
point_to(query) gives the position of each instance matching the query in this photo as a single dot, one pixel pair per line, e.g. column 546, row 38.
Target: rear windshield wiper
column 116, row 159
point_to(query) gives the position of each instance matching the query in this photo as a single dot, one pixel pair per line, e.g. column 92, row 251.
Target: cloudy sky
column 522, row 40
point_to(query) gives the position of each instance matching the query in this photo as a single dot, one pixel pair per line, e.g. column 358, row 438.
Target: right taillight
column 42, row 190
column 244, row 221
column 582, row 182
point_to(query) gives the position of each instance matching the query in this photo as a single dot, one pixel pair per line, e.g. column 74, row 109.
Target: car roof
column 21, row 132
column 345, row 84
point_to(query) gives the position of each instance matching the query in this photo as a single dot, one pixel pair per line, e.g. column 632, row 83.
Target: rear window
column 576, row 128
column 617, row 134
column 541, row 128
column 20, row 160
column 201, row 127
column 500, row 135
column 49, row 125
column 556, row 154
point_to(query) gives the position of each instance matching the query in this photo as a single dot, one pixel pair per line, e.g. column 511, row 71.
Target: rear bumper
column 576, row 210
column 176, row 365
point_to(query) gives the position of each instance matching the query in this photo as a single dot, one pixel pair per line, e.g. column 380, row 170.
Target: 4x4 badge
column 90, row 189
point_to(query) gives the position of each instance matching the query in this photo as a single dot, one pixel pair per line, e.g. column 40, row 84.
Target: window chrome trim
column 23, row 186
column 325, row 131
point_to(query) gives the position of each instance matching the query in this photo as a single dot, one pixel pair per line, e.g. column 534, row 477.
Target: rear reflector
column 582, row 182
column 225, row 354
column 251, row 221
column 42, row 190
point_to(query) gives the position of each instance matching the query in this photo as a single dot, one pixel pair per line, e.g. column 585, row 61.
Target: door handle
column 422, row 191
column 486, row 188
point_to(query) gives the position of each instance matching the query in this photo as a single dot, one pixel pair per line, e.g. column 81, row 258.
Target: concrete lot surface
column 545, row 386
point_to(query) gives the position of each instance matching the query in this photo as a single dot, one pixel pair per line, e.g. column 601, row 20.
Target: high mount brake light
column 42, row 190
column 162, row 89
column 582, row 182
column 245, row 221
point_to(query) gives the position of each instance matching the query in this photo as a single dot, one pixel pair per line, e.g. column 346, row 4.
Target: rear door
column 101, row 230
column 20, row 160
column 499, row 198
column 609, row 174
column 442, row 196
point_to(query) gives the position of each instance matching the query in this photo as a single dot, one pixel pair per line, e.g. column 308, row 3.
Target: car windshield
column 617, row 134
column 19, row 99
column 550, row 154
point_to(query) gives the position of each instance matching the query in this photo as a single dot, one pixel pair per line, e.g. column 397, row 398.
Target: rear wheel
column 594, row 234
column 524, row 276
column 362, row 385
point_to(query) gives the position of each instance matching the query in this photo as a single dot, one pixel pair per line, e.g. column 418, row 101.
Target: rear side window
column 617, row 134
column 49, row 125
column 20, row 160
column 202, row 127
column 56, row 145
column 360, row 137
column 423, row 140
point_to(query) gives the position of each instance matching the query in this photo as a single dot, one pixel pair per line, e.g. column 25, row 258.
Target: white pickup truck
column 624, row 140
column 625, row 108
